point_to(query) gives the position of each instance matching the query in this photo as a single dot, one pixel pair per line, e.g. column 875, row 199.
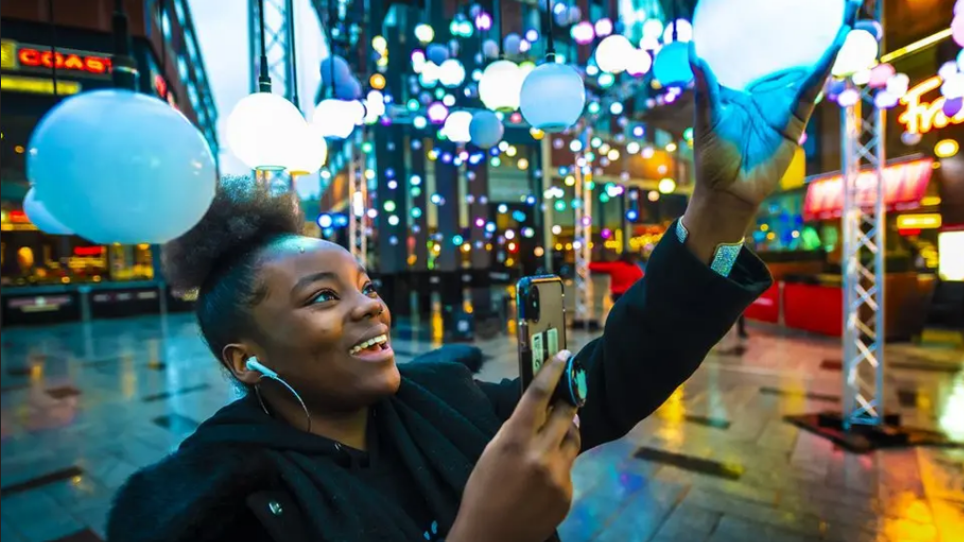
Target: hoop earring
column 254, row 365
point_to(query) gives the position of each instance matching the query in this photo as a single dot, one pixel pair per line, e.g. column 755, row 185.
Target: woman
column 623, row 273
column 334, row 442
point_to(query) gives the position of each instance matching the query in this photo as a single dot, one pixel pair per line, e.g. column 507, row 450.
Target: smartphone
column 541, row 313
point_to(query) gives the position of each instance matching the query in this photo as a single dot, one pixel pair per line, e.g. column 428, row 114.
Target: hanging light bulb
column 40, row 217
column 451, row 73
column 612, row 53
column 336, row 118
column 456, row 127
column 262, row 129
column 500, row 86
column 486, row 129
column 310, row 151
column 745, row 40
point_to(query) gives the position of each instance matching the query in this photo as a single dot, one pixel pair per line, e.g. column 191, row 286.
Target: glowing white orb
column 858, row 53
column 451, row 73
column 639, row 62
column 613, row 52
column 898, row 85
column 746, row 40
column 456, row 127
column 257, row 129
column 424, row 33
column 500, row 86
column 335, row 118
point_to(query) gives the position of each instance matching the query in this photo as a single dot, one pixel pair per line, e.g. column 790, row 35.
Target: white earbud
column 254, row 365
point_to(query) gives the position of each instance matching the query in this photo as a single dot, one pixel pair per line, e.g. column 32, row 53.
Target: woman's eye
column 324, row 297
column 370, row 290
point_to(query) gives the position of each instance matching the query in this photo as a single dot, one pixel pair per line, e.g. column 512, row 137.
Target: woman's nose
column 369, row 307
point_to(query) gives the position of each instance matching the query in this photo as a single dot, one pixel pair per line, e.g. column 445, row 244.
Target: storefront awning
column 904, row 186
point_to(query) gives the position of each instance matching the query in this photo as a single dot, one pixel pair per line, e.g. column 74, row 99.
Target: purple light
column 447, row 157
column 479, row 222
column 606, row 233
column 483, row 21
column 437, row 112
column 587, row 220
column 885, row 100
column 583, row 32
column 848, row 98
column 604, row 27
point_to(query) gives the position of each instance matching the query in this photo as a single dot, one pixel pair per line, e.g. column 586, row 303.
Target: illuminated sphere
column 553, row 97
column 946, row 148
column 451, row 73
column 512, row 44
column 957, row 29
column 953, row 86
column 683, row 28
column 744, row 41
column 437, row 53
column 639, row 62
column 898, row 85
column 310, row 151
column 653, row 28
column 858, row 53
column 486, row 129
column 342, row 71
column 500, row 86
column 612, row 53
column 40, row 217
column 120, row 166
column 672, row 65
column 456, row 127
column 880, row 74
column 437, row 112
column 952, row 106
column 424, row 33
column 582, row 32
column 666, row 186
column 335, row 118
column 490, row 49
column 256, row 130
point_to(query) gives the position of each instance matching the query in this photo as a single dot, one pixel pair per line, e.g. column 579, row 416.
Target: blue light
column 518, row 216
column 632, row 215
column 672, row 65
column 324, row 221
column 341, row 220
column 436, row 199
column 457, row 240
column 415, row 180
column 419, row 122
column 490, row 227
column 531, row 200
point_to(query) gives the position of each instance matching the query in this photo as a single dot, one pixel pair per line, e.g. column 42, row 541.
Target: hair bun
column 243, row 216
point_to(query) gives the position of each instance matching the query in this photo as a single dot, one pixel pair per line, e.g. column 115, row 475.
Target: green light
column 560, row 205
column 416, row 191
column 590, row 156
column 595, row 142
column 439, row 93
column 416, row 212
column 495, row 161
column 590, row 185
column 390, row 206
column 413, row 105
column 606, row 80
column 366, row 147
column 688, row 134
column 604, row 198
column 593, row 108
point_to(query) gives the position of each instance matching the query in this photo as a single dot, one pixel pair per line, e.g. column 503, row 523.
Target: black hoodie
column 245, row 476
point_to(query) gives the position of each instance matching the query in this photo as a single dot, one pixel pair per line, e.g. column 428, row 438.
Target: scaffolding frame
column 277, row 50
column 864, row 237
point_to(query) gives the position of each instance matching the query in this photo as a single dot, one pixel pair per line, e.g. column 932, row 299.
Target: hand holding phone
column 541, row 311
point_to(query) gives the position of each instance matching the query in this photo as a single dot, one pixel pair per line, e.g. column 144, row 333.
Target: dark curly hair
column 219, row 257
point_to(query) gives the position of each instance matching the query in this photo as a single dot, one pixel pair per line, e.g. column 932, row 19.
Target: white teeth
column 381, row 339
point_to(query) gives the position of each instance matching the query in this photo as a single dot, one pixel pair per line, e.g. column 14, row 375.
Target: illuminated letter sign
column 65, row 59
column 904, row 186
column 921, row 117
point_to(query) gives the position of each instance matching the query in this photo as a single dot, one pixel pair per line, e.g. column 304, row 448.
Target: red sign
column 766, row 308
column 904, row 186
column 70, row 61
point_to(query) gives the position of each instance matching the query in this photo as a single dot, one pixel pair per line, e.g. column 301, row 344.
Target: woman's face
column 323, row 327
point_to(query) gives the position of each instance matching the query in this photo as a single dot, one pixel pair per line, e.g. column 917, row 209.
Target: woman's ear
column 235, row 357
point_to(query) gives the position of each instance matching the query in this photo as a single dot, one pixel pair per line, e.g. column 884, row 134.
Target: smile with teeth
column 374, row 344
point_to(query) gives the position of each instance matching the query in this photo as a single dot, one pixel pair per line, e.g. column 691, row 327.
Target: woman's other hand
column 744, row 143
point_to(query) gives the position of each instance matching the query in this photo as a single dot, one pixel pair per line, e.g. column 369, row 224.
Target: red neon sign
column 36, row 58
column 904, row 186
column 88, row 251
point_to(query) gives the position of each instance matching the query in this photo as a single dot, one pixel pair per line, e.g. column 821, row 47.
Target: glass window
column 182, row 68
column 179, row 9
column 166, row 24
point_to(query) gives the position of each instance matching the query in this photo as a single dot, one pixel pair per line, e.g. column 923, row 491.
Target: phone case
column 542, row 334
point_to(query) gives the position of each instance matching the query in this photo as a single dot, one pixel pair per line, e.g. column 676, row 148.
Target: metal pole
column 546, row 149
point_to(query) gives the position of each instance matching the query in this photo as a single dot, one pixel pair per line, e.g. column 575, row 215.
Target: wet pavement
column 83, row 406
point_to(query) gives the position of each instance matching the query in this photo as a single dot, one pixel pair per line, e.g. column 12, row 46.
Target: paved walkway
column 84, row 406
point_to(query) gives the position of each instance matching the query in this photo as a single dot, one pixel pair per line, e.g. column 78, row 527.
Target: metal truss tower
column 358, row 203
column 582, row 243
column 864, row 228
column 276, row 23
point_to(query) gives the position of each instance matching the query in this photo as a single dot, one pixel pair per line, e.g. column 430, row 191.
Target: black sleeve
column 655, row 338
